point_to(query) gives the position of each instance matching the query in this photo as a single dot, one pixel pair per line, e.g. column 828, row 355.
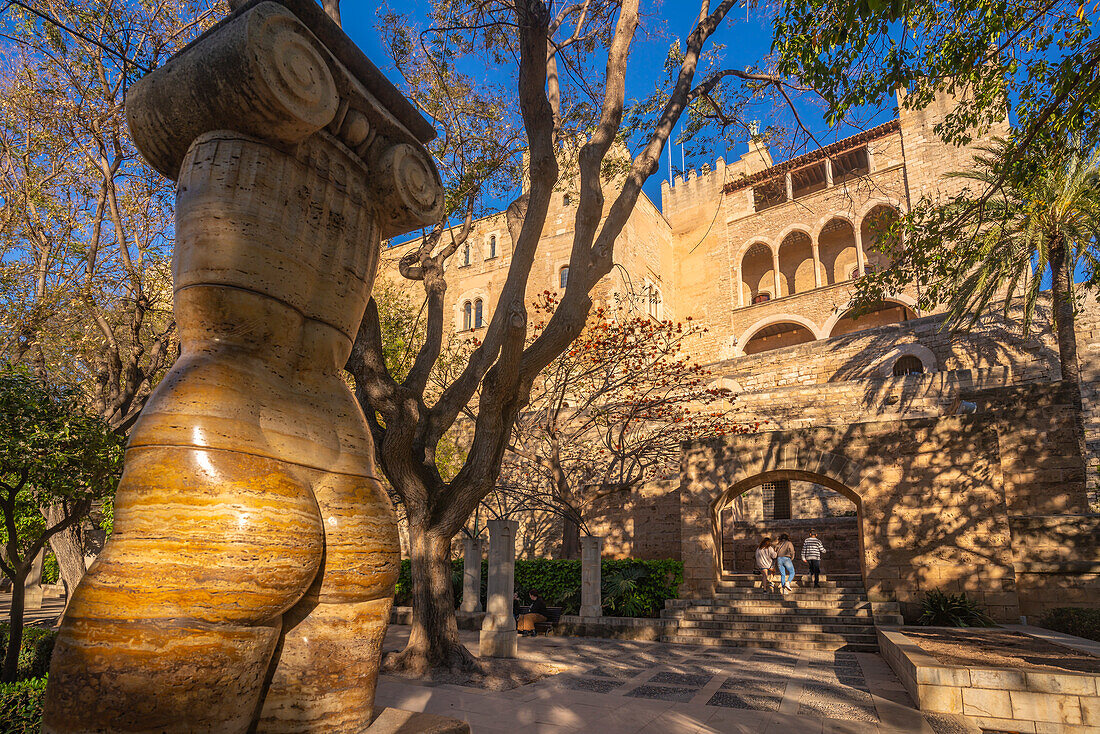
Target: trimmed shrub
column 952, row 610
column 1073, row 621
column 34, row 651
column 21, row 706
column 632, row 588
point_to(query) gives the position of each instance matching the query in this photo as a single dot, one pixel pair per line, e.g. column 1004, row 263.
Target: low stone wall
column 839, row 535
column 466, row 620
column 1002, row 699
column 618, row 628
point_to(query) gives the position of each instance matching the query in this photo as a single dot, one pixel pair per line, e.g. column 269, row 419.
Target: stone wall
column 642, row 523
column 935, row 495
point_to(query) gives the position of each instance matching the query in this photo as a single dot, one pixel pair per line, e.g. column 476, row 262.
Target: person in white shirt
column 812, row 550
column 765, row 557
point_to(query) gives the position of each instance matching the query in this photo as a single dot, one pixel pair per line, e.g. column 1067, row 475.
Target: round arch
column 824, row 478
column 739, row 253
column 842, row 311
column 820, row 224
column 767, row 321
column 885, row 366
column 877, row 202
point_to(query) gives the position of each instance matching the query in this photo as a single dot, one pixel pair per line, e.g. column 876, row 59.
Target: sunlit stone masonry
column 249, row 579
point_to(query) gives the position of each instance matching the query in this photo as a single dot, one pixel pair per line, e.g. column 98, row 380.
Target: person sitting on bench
column 526, row 622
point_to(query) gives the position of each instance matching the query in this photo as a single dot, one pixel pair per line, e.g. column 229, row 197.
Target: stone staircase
column 836, row 615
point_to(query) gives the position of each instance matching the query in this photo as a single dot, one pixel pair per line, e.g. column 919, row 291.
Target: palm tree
column 1034, row 218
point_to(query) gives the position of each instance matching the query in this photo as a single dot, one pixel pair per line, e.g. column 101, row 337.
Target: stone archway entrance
column 792, row 502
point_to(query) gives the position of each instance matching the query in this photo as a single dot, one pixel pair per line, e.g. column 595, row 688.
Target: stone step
column 778, row 601
column 845, row 619
column 753, row 581
column 823, row 594
column 785, row 627
column 772, row 644
column 778, row 636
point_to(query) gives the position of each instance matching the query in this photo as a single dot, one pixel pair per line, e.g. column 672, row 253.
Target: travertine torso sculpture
column 252, row 567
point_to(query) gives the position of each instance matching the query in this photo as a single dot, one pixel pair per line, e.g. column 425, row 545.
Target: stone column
column 775, row 275
column 32, row 585
column 591, row 582
column 817, row 265
column 471, row 575
column 249, row 516
column 498, row 631
column 860, row 260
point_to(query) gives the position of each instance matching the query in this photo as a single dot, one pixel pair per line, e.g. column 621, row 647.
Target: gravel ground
column 995, row 648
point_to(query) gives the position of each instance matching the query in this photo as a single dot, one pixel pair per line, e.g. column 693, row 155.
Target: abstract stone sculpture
column 250, row 575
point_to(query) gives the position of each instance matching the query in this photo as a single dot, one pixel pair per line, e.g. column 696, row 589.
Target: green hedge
column 1073, row 621
column 642, row 589
column 34, row 651
column 21, row 706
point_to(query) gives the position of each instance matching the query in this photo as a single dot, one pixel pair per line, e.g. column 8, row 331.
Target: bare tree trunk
column 15, row 620
column 433, row 639
column 68, row 548
column 571, row 538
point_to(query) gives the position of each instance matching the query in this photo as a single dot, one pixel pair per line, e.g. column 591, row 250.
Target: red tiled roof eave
column 815, row 155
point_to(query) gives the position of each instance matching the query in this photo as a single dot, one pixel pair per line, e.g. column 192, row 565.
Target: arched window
column 762, row 297
column 478, row 314
column 908, row 364
column 467, row 310
column 492, row 246
column 563, row 277
column 466, row 255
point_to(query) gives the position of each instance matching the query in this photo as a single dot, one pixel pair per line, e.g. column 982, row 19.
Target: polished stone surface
column 249, row 578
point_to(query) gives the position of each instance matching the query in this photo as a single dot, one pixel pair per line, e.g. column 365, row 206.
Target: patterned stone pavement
column 616, row 686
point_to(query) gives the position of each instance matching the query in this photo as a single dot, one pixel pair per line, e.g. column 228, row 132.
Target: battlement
column 693, row 187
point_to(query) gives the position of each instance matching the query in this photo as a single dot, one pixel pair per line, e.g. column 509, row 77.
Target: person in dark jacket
column 526, row 622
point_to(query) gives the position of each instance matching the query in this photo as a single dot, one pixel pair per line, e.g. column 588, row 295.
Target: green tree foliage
column 53, row 454
column 1038, row 60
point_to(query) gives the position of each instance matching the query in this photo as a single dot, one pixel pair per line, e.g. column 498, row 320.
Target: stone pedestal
column 498, row 631
column 249, row 518
column 591, row 582
column 32, row 586
column 471, row 575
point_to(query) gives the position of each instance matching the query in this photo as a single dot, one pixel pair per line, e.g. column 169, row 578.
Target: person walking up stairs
column 784, row 549
column 812, row 550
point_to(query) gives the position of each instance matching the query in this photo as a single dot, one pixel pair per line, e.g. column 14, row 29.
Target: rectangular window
column 770, row 193
column 851, row 164
column 777, row 500
column 808, row 180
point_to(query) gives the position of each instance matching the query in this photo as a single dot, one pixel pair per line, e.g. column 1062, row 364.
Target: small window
column 492, row 246
column 478, row 314
column 854, row 273
column 907, row 364
column 770, row 193
column 762, row 297
column 563, row 277
column 466, row 255
column 851, row 164
column 467, row 311
column 808, row 180
column 654, row 302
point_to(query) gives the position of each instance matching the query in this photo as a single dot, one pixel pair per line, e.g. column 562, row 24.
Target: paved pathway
column 52, row 606
column 614, row 687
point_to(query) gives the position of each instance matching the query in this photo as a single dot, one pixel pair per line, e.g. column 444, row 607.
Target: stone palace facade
column 928, row 459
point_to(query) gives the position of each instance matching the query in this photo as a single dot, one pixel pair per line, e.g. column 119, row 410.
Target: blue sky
column 746, row 38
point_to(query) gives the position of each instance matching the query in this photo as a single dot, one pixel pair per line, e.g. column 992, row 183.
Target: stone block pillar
column 471, row 575
column 32, row 585
column 591, row 582
column 498, row 631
